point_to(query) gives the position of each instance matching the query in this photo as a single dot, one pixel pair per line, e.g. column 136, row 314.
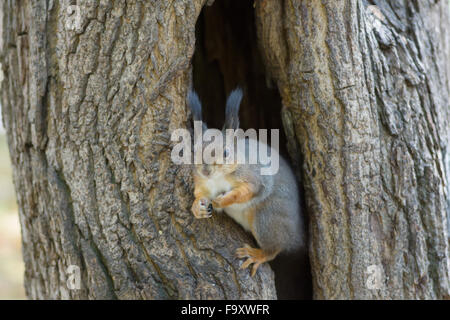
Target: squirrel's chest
column 241, row 213
column 217, row 186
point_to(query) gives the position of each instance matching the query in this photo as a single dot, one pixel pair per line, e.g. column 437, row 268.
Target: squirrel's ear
column 232, row 109
column 195, row 105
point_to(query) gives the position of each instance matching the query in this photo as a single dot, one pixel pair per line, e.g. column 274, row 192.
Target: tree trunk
column 365, row 90
column 89, row 109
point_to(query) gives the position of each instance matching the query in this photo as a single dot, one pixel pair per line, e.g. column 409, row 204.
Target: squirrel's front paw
column 219, row 201
column 202, row 208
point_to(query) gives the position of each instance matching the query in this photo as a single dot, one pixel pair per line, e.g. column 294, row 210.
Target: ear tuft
column 195, row 105
column 232, row 109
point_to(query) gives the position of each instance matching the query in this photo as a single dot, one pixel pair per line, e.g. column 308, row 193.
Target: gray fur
column 195, row 105
column 279, row 225
column 232, row 109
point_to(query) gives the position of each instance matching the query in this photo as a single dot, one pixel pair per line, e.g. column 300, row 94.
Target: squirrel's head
column 216, row 164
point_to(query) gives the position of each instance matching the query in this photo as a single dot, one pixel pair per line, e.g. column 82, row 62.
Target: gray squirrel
column 267, row 206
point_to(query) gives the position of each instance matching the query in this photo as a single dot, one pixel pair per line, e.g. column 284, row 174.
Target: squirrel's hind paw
column 255, row 256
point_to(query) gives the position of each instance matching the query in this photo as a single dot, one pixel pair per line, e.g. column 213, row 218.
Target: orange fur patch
column 251, row 218
column 254, row 256
column 199, row 189
column 241, row 193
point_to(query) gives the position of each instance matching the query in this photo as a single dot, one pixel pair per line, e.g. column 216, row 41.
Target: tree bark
column 89, row 110
column 365, row 90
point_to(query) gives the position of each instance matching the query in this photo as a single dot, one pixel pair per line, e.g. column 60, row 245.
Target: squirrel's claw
column 243, row 252
column 247, row 263
column 254, row 256
column 255, row 268
column 202, row 208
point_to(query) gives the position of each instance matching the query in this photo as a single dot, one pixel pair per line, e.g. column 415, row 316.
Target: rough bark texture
column 88, row 113
column 365, row 90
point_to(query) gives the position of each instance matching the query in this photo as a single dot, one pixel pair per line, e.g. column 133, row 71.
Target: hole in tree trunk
column 226, row 56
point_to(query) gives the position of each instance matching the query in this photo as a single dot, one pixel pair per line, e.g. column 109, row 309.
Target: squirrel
column 267, row 206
